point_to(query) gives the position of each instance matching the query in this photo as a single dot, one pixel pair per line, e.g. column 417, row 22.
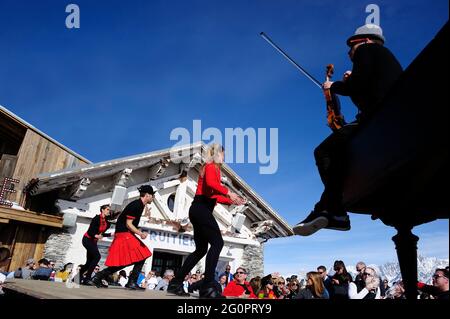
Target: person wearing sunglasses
column 375, row 70
column 266, row 291
column 439, row 289
column 239, row 287
column 294, row 288
column 371, row 288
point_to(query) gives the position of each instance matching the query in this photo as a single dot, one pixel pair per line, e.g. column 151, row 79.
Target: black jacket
column 95, row 226
column 375, row 70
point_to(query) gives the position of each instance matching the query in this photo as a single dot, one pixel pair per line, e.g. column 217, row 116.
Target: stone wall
column 56, row 247
column 253, row 261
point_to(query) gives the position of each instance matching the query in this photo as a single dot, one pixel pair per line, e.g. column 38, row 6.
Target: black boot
column 97, row 280
column 176, row 287
column 132, row 279
column 211, row 290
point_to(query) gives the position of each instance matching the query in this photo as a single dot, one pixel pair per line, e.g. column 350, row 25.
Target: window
column 171, row 202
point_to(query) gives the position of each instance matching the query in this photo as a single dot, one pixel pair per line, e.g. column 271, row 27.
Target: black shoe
column 133, row 286
column 211, row 291
column 339, row 223
column 87, row 282
column 312, row 223
column 176, row 288
column 98, row 282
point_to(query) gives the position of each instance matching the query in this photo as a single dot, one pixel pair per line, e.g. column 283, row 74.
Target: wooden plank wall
column 39, row 155
column 24, row 240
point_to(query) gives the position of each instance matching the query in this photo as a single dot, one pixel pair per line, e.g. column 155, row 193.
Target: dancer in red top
column 206, row 230
column 126, row 249
column 97, row 230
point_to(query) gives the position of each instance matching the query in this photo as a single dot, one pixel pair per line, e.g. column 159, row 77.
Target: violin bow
column 306, row 73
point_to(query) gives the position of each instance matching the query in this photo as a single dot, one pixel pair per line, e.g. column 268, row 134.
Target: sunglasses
column 281, row 283
column 437, row 276
column 367, row 274
column 241, row 273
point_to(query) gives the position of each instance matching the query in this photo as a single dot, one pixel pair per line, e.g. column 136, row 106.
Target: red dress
column 126, row 248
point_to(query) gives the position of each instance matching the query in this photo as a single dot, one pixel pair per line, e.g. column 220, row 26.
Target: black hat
column 146, row 189
column 265, row 280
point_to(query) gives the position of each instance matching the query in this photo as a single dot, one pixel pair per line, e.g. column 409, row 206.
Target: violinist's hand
column 234, row 197
column 240, row 201
column 346, row 75
column 327, row 85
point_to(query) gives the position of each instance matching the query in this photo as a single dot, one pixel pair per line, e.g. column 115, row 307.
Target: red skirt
column 126, row 249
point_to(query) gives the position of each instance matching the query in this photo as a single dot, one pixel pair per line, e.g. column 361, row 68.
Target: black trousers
column 206, row 231
column 134, row 274
column 92, row 257
column 331, row 160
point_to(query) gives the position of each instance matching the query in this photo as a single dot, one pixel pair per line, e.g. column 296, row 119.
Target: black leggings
column 206, row 231
column 92, row 257
column 331, row 160
column 134, row 274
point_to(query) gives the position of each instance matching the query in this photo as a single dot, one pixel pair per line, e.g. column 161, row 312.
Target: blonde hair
column 276, row 280
column 317, row 287
column 212, row 156
column 213, row 152
column 374, row 279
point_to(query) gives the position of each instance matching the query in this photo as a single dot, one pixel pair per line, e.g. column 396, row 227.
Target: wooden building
column 26, row 152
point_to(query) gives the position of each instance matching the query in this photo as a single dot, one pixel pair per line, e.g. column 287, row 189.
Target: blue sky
column 135, row 70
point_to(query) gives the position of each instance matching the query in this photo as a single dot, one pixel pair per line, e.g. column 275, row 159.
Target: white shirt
column 2, row 278
column 152, row 282
column 353, row 292
column 123, row 281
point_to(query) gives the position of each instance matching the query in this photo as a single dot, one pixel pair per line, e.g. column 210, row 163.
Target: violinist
column 375, row 70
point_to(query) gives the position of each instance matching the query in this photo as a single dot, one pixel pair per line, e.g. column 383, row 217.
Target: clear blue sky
column 137, row 69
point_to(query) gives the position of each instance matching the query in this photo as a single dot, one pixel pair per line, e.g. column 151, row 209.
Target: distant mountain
column 391, row 270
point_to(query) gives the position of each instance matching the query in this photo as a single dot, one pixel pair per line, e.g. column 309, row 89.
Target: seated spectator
column 164, row 283
column 315, row 289
column 151, row 281
column 266, row 291
column 366, row 288
column 340, row 281
column 63, row 275
column 439, row 289
column 239, row 287
column 227, row 274
column 141, row 279
column 122, row 278
column 256, row 285
column 294, row 288
column 223, row 281
column 384, row 287
column 359, row 280
column 27, row 270
column 96, row 270
column 322, row 270
column 279, row 287
column 44, row 271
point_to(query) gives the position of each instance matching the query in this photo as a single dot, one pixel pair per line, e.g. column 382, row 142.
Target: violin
column 335, row 119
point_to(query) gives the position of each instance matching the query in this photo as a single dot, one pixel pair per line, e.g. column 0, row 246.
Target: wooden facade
column 26, row 152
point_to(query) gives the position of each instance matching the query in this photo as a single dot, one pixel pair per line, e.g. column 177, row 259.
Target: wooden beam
column 4, row 220
column 27, row 216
